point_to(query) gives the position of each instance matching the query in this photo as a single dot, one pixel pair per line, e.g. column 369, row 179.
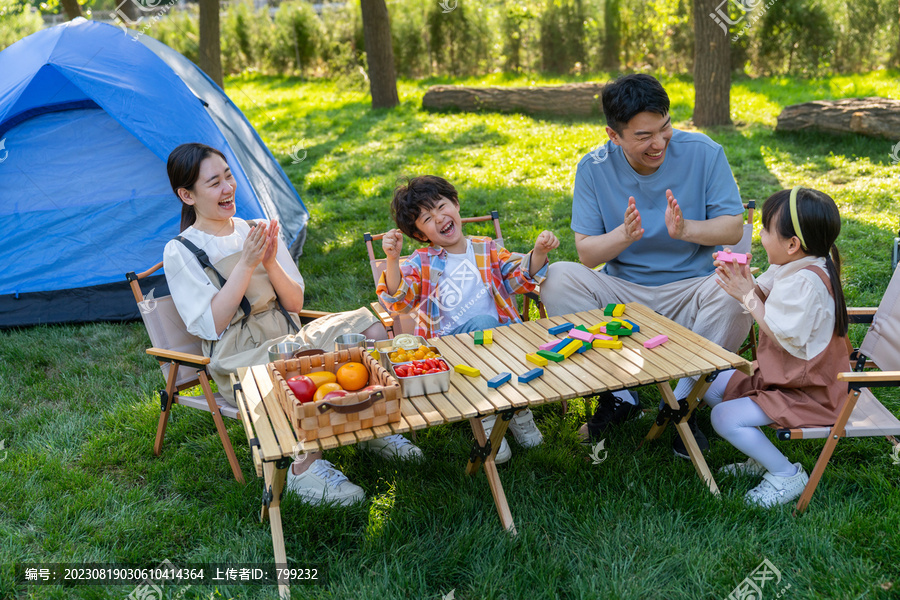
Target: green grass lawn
column 78, row 404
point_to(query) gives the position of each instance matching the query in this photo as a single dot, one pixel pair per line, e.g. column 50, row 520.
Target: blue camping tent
column 88, row 117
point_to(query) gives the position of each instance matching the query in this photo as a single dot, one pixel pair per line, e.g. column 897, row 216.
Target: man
column 651, row 204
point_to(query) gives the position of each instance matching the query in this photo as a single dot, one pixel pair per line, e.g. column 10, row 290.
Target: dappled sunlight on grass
column 380, row 513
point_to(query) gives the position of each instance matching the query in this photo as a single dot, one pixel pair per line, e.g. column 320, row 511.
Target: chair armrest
column 861, row 314
column 179, row 357
column 383, row 315
column 871, row 378
column 311, row 315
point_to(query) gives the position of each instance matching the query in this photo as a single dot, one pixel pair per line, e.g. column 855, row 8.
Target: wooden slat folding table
column 273, row 442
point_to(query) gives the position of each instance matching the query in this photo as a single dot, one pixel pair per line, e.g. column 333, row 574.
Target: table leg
column 684, row 430
column 490, row 468
column 275, row 475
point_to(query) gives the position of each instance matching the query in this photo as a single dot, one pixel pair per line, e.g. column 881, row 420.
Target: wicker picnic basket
column 314, row 420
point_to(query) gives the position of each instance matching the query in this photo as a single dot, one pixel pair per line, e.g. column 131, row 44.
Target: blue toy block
column 585, row 346
column 634, row 326
column 556, row 330
column 562, row 344
column 499, row 380
column 529, row 375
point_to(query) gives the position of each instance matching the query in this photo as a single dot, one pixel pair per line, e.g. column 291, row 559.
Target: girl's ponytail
column 841, row 320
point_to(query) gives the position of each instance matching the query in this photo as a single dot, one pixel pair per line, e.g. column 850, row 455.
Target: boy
column 457, row 284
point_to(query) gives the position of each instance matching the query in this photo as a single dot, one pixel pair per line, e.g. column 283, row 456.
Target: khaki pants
column 697, row 303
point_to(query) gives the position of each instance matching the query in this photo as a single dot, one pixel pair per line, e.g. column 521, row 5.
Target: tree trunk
column 612, row 36
column 712, row 67
column 379, row 54
column 210, row 45
column 575, row 99
column 72, row 8
column 876, row 117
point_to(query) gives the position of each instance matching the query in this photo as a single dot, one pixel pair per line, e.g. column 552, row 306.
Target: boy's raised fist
column 392, row 243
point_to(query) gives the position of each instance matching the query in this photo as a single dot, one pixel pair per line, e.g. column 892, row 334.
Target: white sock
column 625, row 396
column 684, row 387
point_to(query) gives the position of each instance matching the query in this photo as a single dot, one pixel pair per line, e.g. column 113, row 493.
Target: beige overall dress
column 245, row 342
column 792, row 391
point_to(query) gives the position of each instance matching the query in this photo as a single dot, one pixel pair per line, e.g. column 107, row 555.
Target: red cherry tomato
column 401, row 370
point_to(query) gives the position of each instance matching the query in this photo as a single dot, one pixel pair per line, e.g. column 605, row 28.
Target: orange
column 353, row 376
column 322, row 377
column 324, row 389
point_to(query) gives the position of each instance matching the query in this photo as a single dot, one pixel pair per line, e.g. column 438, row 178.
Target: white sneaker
column 524, row 430
column 321, row 483
column 750, row 467
column 393, row 446
column 774, row 490
column 504, row 453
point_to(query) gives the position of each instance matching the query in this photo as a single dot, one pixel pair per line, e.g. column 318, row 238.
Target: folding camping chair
column 863, row 415
column 396, row 323
column 175, row 348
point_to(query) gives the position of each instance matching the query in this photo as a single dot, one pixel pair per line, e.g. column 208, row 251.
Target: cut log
column 876, row 117
column 574, row 99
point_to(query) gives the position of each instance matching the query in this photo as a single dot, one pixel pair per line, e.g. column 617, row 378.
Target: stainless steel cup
column 347, row 341
column 284, row 350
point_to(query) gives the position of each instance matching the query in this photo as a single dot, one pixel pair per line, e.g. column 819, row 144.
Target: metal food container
column 385, row 347
column 433, row 383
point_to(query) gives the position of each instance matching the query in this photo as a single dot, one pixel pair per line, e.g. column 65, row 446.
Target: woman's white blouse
column 799, row 309
column 191, row 289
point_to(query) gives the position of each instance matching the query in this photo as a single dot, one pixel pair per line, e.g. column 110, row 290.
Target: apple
column 303, row 387
column 335, row 395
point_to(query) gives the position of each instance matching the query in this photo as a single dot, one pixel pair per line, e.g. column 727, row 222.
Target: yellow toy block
column 614, row 344
column 489, row 337
column 467, row 370
column 624, row 323
column 536, row 359
column 570, row 348
column 595, row 329
column 619, row 310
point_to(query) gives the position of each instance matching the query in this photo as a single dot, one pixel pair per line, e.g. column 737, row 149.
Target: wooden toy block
column 498, row 380
column 619, row 310
column 617, row 330
column 580, row 328
column 603, row 336
column 561, row 344
column 596, row 328
column 585, row 346
column 556, row 330
column 467, row 370
column 548, row 345
column 529, row 375
column 479, row 338
column 729, row 257
column 635, row 328
column 608, row 311
column 536, row 359
column 623, row 322
column 570, row 348
column 614, row 344
column 584, row 336
column 654, row 342
column 488, row 337
column 554, row 356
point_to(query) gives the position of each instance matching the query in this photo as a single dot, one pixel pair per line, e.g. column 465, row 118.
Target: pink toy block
column 603, row 336
column 728, row 257
column 578, row 334
column 548, row 345
column 654, row 342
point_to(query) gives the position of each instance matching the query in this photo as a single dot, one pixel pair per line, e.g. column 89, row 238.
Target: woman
column 239, row 290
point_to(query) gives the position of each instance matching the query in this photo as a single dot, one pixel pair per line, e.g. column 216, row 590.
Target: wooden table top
column 596, row 370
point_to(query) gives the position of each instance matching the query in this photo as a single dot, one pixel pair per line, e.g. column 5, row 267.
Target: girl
column 799, row 305
column 239, row 290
